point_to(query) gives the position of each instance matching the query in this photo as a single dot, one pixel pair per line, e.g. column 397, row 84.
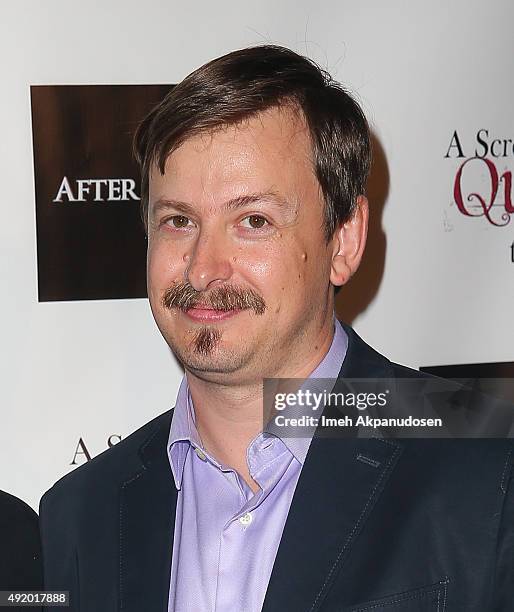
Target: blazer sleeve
column 20, row 547
column 20, row 551
column 60, row 570
column 503, row 591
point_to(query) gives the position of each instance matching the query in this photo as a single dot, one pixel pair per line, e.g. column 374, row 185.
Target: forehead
column 270, row 151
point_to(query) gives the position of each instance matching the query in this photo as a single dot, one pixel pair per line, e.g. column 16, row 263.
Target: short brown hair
column 241, row 84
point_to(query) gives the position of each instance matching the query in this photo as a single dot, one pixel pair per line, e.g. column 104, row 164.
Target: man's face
column 235, row 228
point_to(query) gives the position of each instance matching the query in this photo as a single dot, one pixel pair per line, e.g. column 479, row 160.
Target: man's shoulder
column 20, row 553
column 12, row 508
column 362, row 360
column 448, row 396
column 111, row 467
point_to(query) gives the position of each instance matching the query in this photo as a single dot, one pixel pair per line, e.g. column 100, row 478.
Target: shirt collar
column 183, row 432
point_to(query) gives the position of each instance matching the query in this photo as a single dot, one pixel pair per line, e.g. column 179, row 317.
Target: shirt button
column 246, row 519
column 201, row 455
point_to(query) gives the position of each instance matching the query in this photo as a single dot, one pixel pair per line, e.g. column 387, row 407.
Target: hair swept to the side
column 243, row 83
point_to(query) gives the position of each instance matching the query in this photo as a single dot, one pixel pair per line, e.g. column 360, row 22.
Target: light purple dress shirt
column 226, row 537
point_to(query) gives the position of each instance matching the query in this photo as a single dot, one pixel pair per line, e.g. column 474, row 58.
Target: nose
column 208, row 262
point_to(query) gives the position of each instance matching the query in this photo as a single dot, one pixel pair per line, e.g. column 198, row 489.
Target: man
column 253, row 177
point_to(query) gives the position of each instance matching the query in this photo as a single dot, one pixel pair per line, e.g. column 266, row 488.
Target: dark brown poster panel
column 90, row 239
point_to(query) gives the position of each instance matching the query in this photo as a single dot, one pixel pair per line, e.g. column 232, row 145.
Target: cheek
column 260, row 268
column 279, row 273
column 307, row 276
column 162, row 267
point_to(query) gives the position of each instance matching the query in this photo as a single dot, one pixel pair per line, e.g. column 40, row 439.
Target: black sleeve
column 20, row 547
column 503, row 595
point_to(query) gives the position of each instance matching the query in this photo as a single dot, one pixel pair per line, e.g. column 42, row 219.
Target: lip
column 208, row 314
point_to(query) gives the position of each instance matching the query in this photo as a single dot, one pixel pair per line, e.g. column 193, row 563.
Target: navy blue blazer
column 424, row 525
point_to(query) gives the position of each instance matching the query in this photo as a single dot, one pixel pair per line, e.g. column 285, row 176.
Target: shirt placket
column 267, row 462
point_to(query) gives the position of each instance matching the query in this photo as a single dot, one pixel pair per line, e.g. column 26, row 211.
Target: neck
column 230, row 416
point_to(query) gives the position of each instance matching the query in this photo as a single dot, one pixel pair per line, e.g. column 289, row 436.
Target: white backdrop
column 421, row 70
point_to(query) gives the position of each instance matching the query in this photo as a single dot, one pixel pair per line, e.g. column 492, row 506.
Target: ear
column 349, row 241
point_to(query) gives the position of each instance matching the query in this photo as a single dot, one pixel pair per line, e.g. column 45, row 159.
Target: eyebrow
column 232, row 204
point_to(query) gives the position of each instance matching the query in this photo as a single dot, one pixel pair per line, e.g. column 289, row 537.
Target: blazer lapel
column 147, row 518
column 340, row 482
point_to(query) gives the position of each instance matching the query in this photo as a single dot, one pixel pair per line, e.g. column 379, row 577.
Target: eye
column 178, row 221
column 255, row 221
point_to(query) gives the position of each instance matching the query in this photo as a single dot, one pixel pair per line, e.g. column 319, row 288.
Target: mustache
column 227, row 297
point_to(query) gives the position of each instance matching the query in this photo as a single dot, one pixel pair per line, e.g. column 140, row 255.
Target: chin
column 216, row 360
column 211, row 368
